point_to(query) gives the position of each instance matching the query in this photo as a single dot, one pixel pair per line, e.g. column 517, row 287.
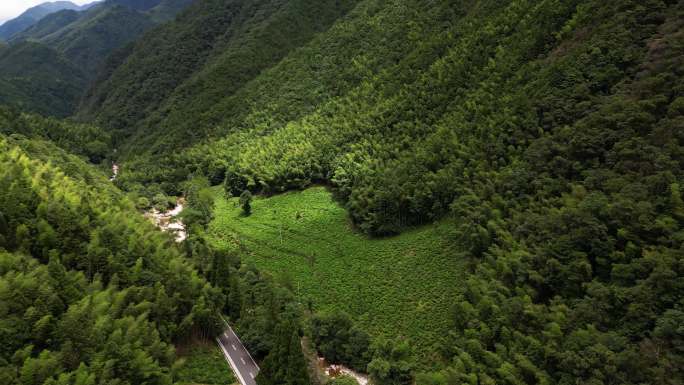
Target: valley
column 409, row 192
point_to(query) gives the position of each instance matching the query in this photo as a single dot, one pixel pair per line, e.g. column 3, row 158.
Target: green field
column 399, row 286
column 203, row 365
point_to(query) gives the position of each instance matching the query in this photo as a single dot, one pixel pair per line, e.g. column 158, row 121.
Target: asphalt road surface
column 238, row 357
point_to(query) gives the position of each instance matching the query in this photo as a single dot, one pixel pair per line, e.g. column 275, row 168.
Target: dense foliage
column 82, row 298
column 186, row 70
column 204, row 364
column 575, row 245
column 338, row 340
column 91, row 292
column 51, row 62
column 549, row 130
column 88, row 39
column 80, row 139
column 39, row 79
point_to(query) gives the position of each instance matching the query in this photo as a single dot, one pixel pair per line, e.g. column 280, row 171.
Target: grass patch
column 398, row 286
column 203, row 364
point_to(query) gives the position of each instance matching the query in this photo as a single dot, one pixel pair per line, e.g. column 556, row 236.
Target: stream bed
column 169, row 221
column 334, row 371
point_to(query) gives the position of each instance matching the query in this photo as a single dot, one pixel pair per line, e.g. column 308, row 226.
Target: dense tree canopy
column 90, row 292
column 549, row 132
column 51, row 61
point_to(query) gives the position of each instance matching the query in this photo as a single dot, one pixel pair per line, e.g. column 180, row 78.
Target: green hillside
column 503, row 203
column 167, row 10
column 39, row 79
column 96, row 33
column 64, row 51
column 88, row 37
column 84, row 140
column 68, row 282
column 399, row 286
column 92, row 293
column 31, row 16
column 548, row 130
column 179, row 72
column 47, row 25
column 383, row 105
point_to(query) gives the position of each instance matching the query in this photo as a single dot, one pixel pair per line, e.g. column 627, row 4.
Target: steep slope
column 40, row 79
column 91, row 292
column 32, row 16
column 81, row 41
column 86, row 38
column 89, row 39
column 87, row 141
column 549, row 130
column 167, row 10
column 47, row 26
column 69, row 247
column 210, row 52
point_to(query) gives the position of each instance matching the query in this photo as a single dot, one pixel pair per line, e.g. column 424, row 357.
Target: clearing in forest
column 397, row 286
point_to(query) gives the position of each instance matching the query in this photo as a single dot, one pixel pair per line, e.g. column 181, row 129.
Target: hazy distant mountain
column 87, row 37
column 47, row 26
column 83, row 36
column 33, row 15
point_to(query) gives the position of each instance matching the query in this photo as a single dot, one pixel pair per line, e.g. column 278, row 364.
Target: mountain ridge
column 34, row 15
column 85, row 38
column 498, row 192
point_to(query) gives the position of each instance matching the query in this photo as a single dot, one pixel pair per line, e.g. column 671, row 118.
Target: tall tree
column 285, row 363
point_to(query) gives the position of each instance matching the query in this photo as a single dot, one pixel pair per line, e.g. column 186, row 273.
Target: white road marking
column 238, row 338
column 234, row 348
column 232, row 364
column 243, row 361
column 251, row 375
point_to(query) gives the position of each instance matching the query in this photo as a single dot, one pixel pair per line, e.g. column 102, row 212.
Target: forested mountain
column 70, row 285
column 103, row 24
column 87, row 40
column 36, row 78
column 33, row 15
column 72, row 46
column 178, row 73
column 47, row 25
column 547, row 130
column 90, row 291
column 545, row 137
column 83, row 140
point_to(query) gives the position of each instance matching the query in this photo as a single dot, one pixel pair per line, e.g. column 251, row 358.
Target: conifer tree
column 3, row 230
column 297, row 373
column 246, row 203
column 285, row 363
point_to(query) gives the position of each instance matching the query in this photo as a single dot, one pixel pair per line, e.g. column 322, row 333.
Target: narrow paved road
column 238, row 357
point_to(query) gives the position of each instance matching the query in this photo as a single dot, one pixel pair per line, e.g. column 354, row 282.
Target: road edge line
column 247, row 350
column 230, row 361
column 243, row 345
